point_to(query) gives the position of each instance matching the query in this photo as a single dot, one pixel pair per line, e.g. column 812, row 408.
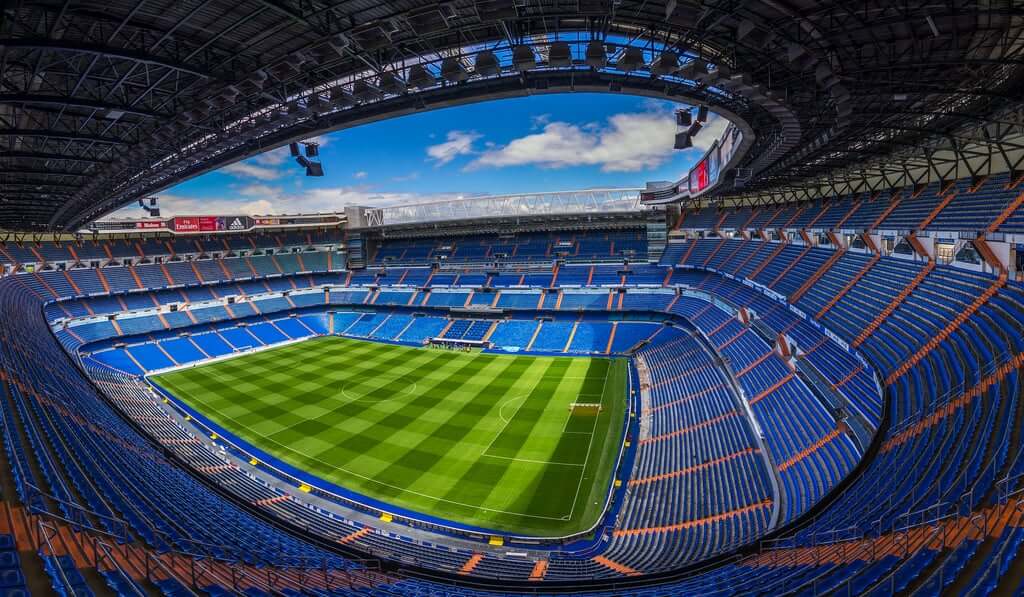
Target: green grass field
column 482, row 439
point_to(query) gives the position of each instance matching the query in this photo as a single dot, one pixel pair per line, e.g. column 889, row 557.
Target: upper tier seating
column 524, row 247
column 963, row 207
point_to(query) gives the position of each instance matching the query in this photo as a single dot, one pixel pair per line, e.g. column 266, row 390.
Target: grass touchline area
column 487, row 440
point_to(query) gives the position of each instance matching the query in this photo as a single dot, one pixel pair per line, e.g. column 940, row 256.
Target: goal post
column 585, row 408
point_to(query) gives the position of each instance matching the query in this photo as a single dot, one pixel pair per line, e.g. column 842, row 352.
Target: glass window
column 944, row 252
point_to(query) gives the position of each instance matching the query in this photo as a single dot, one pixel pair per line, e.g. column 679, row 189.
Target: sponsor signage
column 699, row 177
column 707, row 172
column 237, row 223
column 211, row 223
column 186, row 224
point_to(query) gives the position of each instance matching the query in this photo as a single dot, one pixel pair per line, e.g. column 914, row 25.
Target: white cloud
column 257, row 190
column 252, row 170
column 360, row 175
column 458, row 143
column 280, row 155
column 274, row 157
column 176, row 205
column 713, row 129
column 320, row 140
column 260, row 199
column 628, row 142
column 414, row 175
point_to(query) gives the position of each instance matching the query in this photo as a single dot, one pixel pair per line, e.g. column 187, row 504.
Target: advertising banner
column 210, row 223
column 699, row 177
column 186, row 224
column 238, row 223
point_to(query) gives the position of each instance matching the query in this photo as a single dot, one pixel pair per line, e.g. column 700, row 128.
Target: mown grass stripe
column 451, row 437
column 425, row 449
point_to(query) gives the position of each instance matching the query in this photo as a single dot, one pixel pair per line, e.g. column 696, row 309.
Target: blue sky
column 553, row 142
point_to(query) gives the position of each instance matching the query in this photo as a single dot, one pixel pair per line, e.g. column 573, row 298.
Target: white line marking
column 533, row 461
column 372, row 480
column 376, row 481
column 590, row 446
column 501, row 411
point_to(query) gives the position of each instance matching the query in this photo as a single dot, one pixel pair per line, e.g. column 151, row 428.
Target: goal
column 585, row 408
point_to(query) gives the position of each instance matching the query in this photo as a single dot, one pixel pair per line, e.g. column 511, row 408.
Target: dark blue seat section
column 516, row 248
column 792, row 418
column 12, row 581
column 952, row 447
column 123, row 482
column 968, row 208
column 715, row 471
column 972, row 376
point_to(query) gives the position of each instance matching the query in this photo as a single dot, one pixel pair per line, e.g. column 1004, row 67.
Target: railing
column 1010, row 486
column 102, row 545
column 198, row 557
column 990, row 576
column 988, row 368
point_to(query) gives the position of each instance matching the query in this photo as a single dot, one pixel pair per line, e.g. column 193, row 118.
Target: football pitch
column 487, row 440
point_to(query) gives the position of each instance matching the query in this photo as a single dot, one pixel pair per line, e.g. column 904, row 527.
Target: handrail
column 46, row 521
column 987, row 368
column 1010, row 486
column 37, row 495
column 46, row 532
column 103, row 550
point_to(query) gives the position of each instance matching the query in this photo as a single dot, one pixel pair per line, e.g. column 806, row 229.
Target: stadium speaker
column 486, row 64
column 315, row 169
column 312, row 150
column 683, row 118
column 683, row 141
column 420, row 77
column 695, row 128
column 294, row 148
column 559, row 54
column 702, row 113
column 632, row 59
column 453, row 71
column 302, row 161
column 523, row 58
column 667, row 63
column 595, row 56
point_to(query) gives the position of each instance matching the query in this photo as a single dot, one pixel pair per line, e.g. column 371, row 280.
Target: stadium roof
column 107, row 102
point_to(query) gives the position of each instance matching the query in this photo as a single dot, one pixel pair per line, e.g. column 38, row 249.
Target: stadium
column 795, row 369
